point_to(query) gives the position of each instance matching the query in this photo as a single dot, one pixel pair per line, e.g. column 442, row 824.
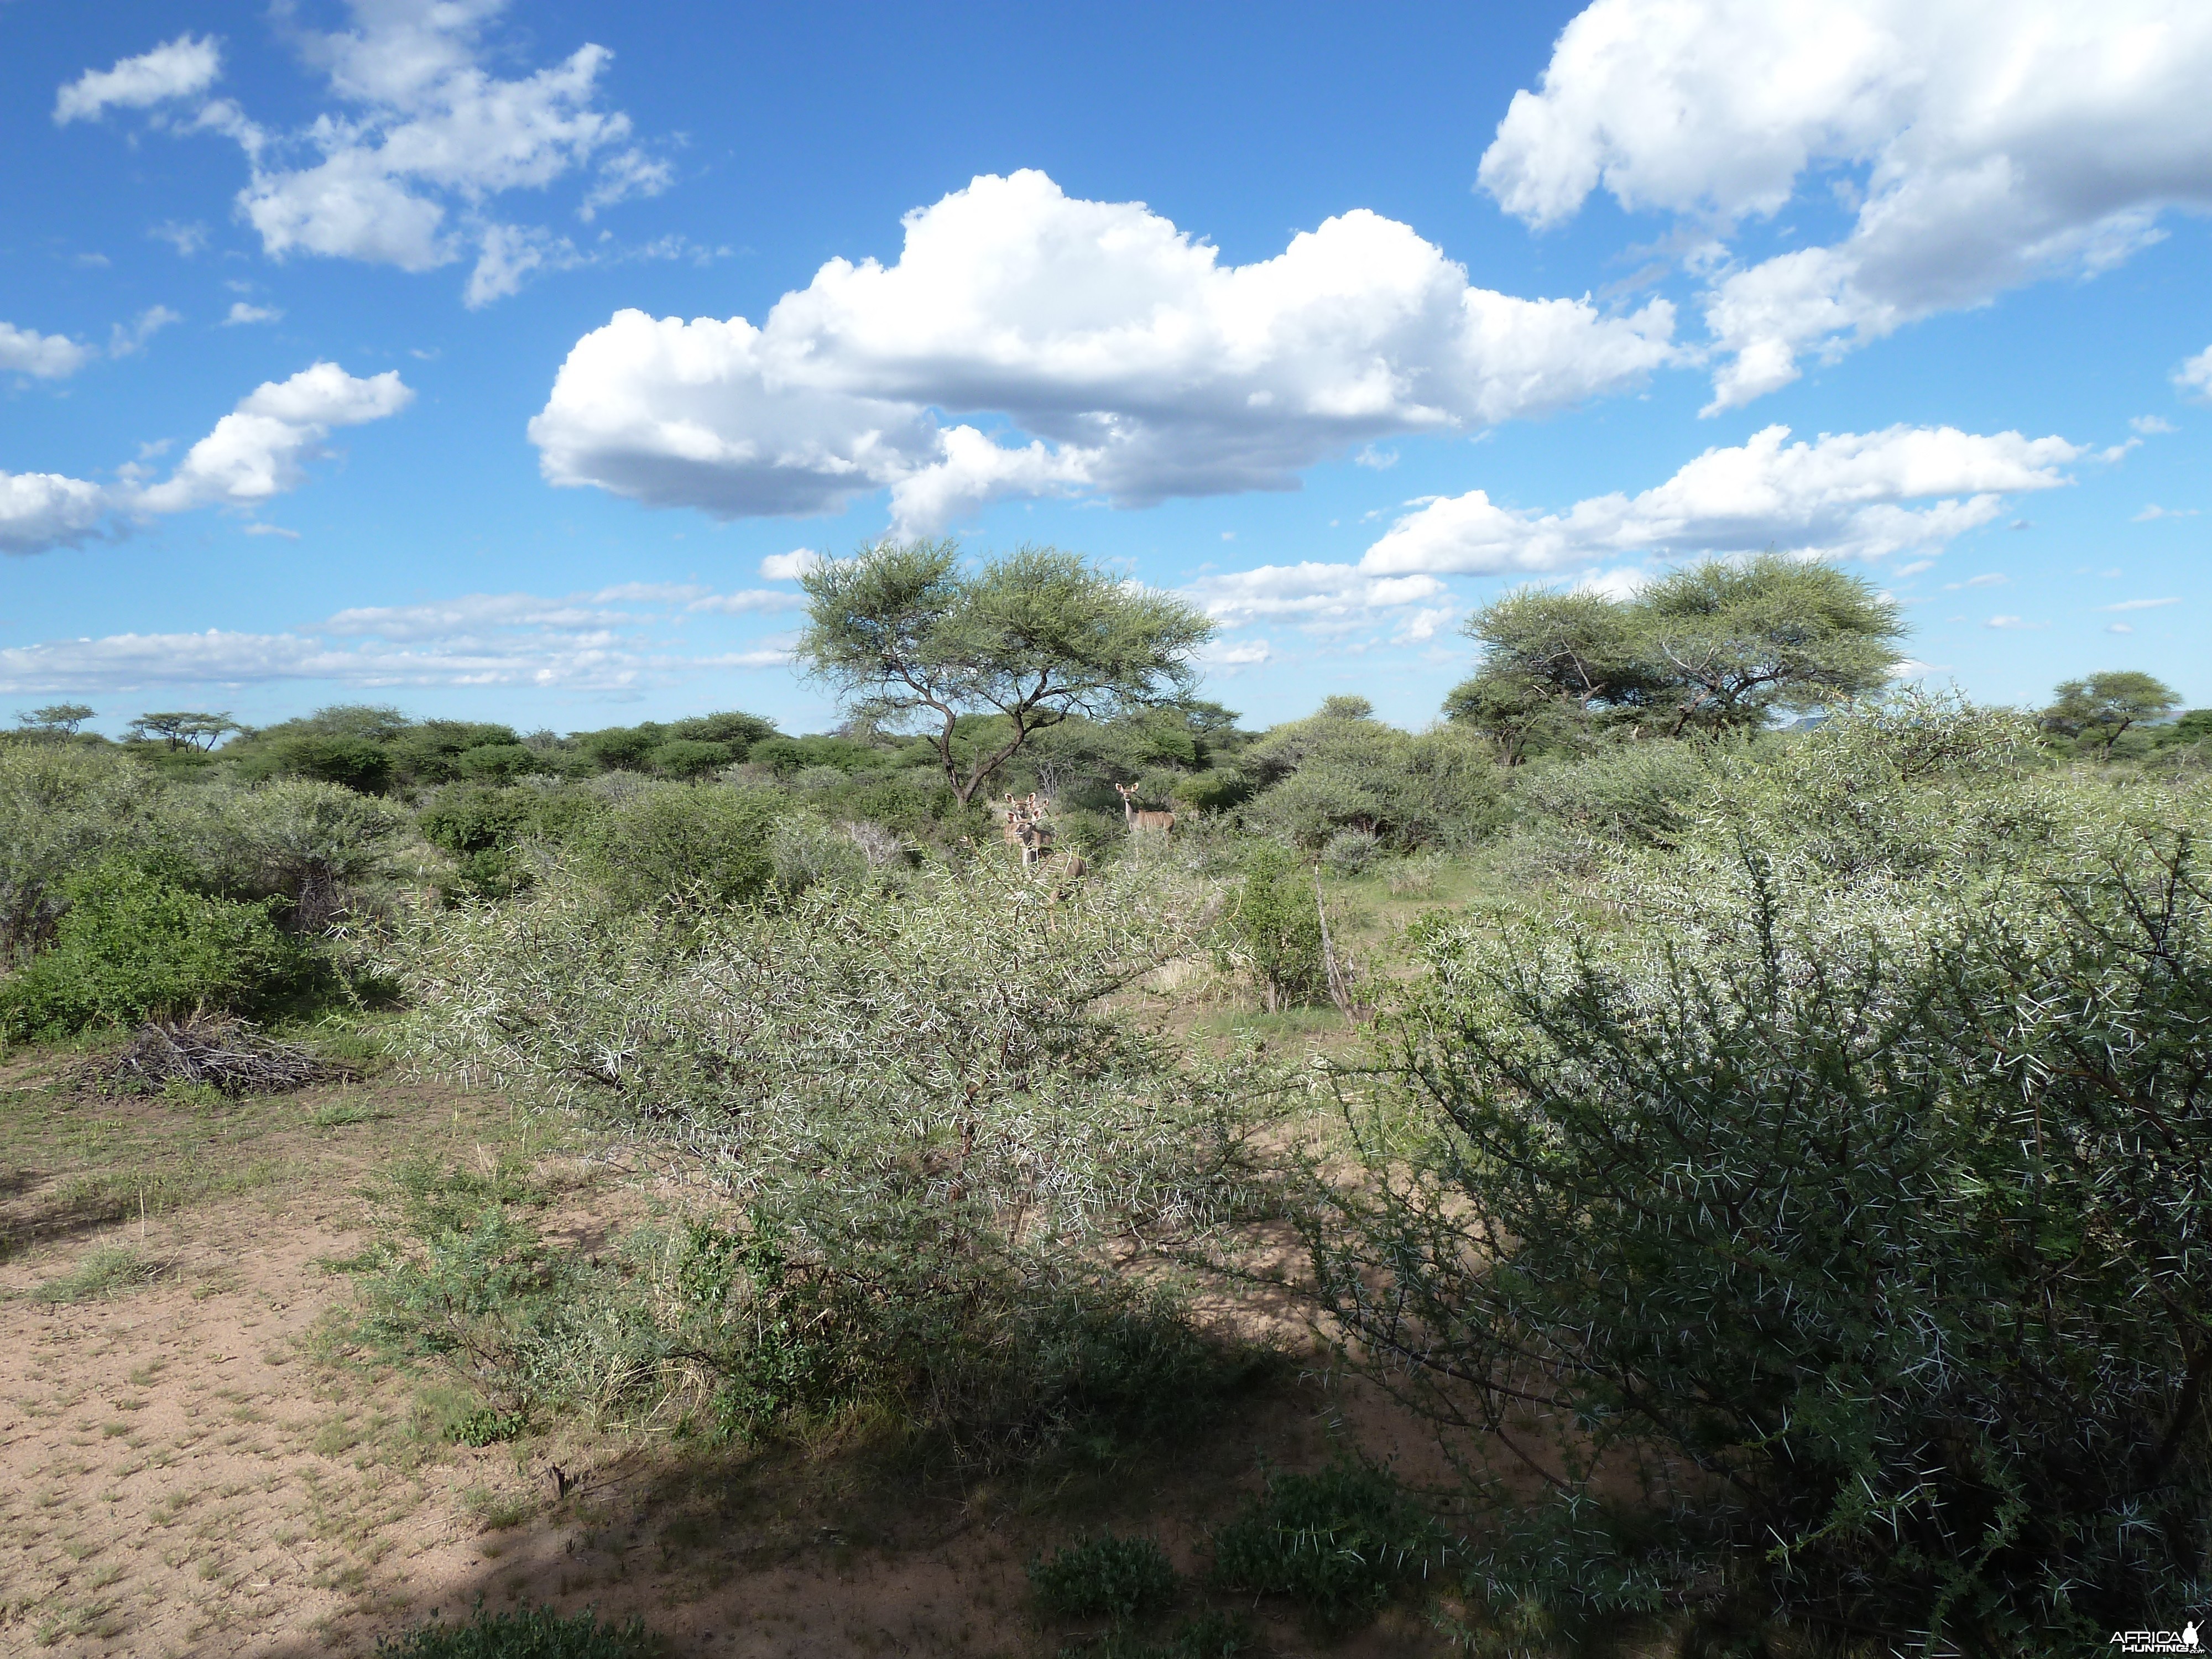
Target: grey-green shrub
column 1339, row 1542
column 918, row 1124
column 62, row 808
column 1273, row 928
column 1104, row 1577
column 1848, row 1163
column 662, row 844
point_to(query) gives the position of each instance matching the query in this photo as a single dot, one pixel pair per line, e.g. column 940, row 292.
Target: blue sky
column 508, row 361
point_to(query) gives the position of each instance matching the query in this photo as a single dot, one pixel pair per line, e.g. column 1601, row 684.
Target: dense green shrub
column 1343, row 770
column 1273, row 928
column 1636, row 794
column 1853, row 1195
column 134, row 944
column 688, row 758
column 1339, row 1542
column 1103, row 1577
column 62, row 807
column 525, row 1633
column 676, row 843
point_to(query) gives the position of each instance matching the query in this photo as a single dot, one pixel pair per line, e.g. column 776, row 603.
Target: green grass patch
column 528, row 1634
column 1339, row 1543
column 109, row 1271
column 1104, row 1577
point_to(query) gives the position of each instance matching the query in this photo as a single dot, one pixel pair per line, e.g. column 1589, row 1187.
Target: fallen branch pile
column 228, row 1055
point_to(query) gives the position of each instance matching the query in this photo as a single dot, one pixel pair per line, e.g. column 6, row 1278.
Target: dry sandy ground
column 186, row 1469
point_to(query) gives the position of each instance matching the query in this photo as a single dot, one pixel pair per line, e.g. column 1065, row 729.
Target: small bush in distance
column 1338, row 1542
column 1349, row 851
column 528, row 1634
column 135, row 944
column 1104, row 1577
column 1275, row 928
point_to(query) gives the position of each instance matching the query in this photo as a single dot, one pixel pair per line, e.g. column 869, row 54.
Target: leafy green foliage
column 900, row 632
column 134, row 945
column 1843, row 1183
column 2104, row 706
column 1341, row 769
column 669, row 844
column 61, row 809
column 1713, row 645
column 1104, row 1577
column 1274, row 928
column 525, row 1633
column 915, row 1149
column 1339, row 1542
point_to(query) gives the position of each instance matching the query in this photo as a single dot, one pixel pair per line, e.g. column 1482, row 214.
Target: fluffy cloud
column 48, row 356
column 610, row 640
column 241, row 312
column 255, row 452
column 1329, row 595
column 423, row 138
column 1984, row 143
column 1841, row 496
column 1133, row 362
column 42, row 510
column 1844, row 495
column 186, row 65
column 2194, row 377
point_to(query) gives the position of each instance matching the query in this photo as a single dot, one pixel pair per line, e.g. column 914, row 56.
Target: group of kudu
column 1024, row 825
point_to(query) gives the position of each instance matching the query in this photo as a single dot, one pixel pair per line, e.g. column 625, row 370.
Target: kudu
column 1136, row 818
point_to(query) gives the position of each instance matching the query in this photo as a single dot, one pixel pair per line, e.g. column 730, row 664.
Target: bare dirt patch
column 189, row 1467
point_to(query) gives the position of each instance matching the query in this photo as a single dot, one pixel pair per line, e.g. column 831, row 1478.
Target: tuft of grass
column 1339, row 1542
column 108, row 1271
column 528, row 1634
column 1104, row 1577
column 496, row 1512
column 340, row 1113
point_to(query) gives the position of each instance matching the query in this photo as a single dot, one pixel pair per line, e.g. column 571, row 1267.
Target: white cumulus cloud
column 2194, row 377
column 241, row 312
column 186, row 65
column 42, row 510
column 613, row 639
column 1130, row 360
column 256, row 451
column 1842, row 495
column 48, row 356
column 421, row 138
column 1985, row 143
column 789, row 567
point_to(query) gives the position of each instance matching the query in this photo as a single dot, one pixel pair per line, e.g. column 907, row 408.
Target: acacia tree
column 184, row 729
column 2103, row 705
column 55, row 720
column 903, row 634
column 1740, row 639
column 1714, row 645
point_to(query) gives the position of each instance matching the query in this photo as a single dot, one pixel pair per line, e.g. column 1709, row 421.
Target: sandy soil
column 186, row 1468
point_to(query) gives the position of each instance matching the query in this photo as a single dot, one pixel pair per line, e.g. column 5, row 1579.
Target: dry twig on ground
column 232, row 1055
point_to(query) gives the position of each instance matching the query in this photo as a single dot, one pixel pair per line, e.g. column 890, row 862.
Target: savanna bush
column 133, row 944
column 921, row 1125
column 1852, row 1194
column 668, row 844
column 1273, row 928
column 62, row 808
